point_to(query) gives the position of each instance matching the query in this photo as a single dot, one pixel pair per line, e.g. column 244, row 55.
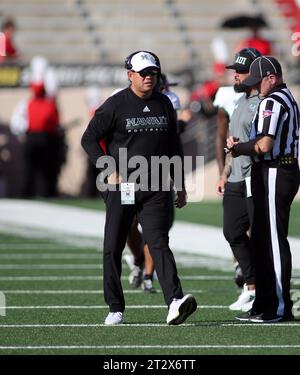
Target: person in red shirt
column 10, row 51
column 255, row 40
column 42, row 145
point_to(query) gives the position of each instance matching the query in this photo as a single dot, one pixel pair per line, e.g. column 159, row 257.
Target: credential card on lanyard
column 127, row 193
column 248, row 186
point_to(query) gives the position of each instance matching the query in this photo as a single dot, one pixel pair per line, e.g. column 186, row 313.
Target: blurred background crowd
column 60, row 59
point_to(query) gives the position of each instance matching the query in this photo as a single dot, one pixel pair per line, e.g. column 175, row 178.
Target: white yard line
column 88, row 278
column 185, row 261
column 50, row 266
column 91, row 307
column 94, row 291
column 8, row 256
column 49, row 278
column 89, row 266
column 62, row 278
column 86, row 291
column 83, row 291
column 70, row 347
column 88, row 325
column 292, row 324
column 128, row 325
column 34, row 246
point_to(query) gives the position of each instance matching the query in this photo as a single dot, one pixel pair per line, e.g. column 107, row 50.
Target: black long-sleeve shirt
column 145, row 127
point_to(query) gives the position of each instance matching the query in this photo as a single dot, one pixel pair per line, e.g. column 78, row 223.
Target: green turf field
column 54, row 305
column 209, row 213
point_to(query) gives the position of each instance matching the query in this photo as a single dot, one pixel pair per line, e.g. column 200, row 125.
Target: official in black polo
column 274, row 142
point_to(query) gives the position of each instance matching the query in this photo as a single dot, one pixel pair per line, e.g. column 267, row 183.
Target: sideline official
column 234, row 182
column 274, row 143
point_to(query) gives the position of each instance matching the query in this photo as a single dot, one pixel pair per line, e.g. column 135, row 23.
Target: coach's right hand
column 181, row 198
column 114, row 178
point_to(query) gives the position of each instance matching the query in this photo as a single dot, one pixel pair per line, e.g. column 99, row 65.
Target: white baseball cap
column 143, row 60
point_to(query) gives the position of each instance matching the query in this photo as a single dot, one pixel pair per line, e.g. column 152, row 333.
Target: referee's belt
column 283, row 161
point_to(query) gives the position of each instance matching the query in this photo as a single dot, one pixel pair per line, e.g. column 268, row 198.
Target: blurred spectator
column 38, row 119
column 253, row 22
column 164, row 86
column 202, row 98
column 41, row 71
column 41, row 149
column 4, row 155
column 10, row 51
column 255, row 40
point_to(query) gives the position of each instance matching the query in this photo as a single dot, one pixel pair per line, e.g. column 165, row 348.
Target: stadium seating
column 100, row 31
column 52, row 29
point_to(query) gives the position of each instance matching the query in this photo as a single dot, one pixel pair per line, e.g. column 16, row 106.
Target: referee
column 274, row 141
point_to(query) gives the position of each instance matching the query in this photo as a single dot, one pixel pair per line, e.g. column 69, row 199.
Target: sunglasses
column 148, row 72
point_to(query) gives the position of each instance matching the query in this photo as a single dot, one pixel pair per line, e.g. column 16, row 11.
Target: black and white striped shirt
column 278, row 117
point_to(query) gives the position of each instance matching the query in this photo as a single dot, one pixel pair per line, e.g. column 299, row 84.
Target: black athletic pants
column 152, row 210
column 237, row 220
column 41, row 164
column 274, row 189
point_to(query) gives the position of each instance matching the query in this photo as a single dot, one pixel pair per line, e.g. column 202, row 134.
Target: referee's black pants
column 273, row 189
column 152, row 210
column 237, row 220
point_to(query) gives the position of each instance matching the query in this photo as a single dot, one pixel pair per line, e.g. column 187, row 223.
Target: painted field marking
column 61, row 278
column 50, row 266
column 70, row 347
column 84, row 307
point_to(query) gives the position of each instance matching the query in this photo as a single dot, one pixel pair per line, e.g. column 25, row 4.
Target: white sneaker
column 147, row 286
column 114, row 318
column 248, row 306
column 246, row 297
column 180, row 309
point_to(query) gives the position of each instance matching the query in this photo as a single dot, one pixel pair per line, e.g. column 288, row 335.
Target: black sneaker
column 245, row 316
column 288, row 318
column 266, row 318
